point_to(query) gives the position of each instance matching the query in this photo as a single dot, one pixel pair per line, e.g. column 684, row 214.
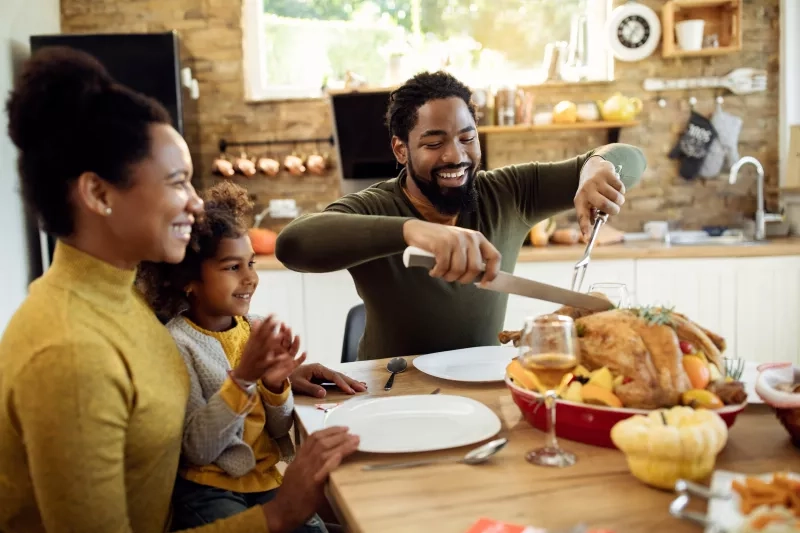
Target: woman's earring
column 108, row 211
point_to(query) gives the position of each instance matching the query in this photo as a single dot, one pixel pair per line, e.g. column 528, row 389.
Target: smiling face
column 228, row 281
column 443, row 154
column 152, row 219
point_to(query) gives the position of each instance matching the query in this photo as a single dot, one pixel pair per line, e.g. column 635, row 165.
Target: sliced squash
column 524, row 377
column 602, row 378
column 596, row 395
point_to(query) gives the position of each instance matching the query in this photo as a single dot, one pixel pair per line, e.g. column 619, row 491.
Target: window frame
column 256, row 76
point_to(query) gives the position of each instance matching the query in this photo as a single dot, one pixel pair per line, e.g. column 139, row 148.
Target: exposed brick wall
column 211, row 32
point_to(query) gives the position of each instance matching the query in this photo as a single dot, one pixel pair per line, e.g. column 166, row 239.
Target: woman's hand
column 304, row 376
column 303, row 485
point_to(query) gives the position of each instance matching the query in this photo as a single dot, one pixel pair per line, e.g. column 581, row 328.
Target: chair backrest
column 353, row 330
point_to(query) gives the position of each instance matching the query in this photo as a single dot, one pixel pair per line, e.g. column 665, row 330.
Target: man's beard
column 448, row 200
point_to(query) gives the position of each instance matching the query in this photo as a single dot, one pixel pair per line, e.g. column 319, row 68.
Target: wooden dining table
column 449, row 497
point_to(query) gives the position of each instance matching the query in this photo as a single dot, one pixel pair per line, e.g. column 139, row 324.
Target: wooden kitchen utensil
column 738, row 81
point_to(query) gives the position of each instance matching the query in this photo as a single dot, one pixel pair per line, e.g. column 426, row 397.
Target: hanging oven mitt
column 692, row 147
column 724, row 150
column 728, row 128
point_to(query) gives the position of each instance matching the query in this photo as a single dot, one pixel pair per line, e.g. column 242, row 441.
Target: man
column 442, row 202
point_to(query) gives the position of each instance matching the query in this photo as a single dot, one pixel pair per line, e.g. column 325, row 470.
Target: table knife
column 507, row 283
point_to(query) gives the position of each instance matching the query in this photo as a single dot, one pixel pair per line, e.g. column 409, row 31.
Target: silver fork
column 579, row 271
column 685, row 490
column 734, row 367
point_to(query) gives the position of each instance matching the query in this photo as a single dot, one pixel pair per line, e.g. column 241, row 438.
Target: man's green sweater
column 409, row 312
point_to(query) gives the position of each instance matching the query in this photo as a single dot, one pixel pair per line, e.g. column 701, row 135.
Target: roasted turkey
column 643, row 345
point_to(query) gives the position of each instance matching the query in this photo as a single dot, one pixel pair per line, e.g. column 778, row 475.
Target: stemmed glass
column 549, row 347
column 616, row 292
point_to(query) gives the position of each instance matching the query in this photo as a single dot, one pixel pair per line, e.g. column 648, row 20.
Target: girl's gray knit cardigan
column 212, row 432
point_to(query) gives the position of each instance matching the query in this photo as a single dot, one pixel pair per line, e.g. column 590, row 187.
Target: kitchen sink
column 698, row 238
column 706, row 240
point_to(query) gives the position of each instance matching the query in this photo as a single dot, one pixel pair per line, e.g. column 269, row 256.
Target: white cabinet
column 280, row 292
column 768, row 308
column 702, row 289
column 559, row 273
column 327, row 299
column 754, row 303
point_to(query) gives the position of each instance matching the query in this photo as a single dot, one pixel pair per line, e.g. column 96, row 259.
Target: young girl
column 240, row 406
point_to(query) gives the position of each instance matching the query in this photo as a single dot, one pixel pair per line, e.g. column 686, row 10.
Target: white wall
column 790, row 77
column 19, row 19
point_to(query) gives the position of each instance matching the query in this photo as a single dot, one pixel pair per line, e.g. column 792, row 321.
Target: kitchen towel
column 724, row 150
column 692, row 147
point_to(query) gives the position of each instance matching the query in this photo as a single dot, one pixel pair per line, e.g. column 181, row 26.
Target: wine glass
column 616, row 292
column 549, row 348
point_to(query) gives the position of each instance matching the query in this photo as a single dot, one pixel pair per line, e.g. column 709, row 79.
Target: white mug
column 690, row 34
column 657, row 229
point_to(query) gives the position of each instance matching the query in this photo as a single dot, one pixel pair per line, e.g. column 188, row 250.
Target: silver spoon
column 395, row 366
column 479, row 455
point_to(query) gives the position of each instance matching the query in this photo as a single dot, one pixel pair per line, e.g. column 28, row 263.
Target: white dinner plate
column 724, row 513
column 478, row 365
column 415, row 423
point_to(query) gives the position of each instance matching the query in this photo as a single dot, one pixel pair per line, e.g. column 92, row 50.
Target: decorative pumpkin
column 263, row 240
column 671, row 444
column 542, row 231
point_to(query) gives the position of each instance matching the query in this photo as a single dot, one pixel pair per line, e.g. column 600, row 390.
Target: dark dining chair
column 353, row 330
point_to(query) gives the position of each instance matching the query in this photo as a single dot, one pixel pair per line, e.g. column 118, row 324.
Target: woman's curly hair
column 227, row 215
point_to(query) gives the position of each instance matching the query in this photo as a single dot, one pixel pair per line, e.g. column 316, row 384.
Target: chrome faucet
column 260, row 217
column 761, row 216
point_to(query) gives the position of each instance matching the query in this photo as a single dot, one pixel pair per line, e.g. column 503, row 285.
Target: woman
column 92, row 387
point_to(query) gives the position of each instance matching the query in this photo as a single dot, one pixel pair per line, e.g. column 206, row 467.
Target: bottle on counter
column 505, row 103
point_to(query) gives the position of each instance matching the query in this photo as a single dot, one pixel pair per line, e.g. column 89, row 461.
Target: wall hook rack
column 224, row 143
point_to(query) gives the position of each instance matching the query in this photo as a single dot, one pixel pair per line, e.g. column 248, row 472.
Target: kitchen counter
column 631, row 250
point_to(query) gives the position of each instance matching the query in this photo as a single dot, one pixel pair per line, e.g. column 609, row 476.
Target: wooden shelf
column 705, row 52
column 526, row 128
column 722, row 17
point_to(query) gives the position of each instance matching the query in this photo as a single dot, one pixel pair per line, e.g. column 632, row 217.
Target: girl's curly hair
column 227, row 214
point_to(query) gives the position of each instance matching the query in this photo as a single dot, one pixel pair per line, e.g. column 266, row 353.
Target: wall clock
column 633, row 31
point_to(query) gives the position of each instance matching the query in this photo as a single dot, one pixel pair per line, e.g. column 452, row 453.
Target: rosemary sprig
column 655, row 316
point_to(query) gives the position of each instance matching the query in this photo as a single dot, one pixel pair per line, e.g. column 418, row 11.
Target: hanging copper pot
column 268, row 166
column 244, row 166
column 316, row 164
column 294, row 164
column 222, row 167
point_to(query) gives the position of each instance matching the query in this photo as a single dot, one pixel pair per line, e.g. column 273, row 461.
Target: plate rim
column 432, row 355
column 497, row 424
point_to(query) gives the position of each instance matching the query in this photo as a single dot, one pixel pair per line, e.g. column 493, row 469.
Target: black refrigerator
column 151, row 63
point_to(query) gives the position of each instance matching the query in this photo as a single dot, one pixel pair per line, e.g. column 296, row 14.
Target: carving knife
column 507, row 283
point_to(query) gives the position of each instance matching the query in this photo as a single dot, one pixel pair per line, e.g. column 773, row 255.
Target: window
column 297, row 48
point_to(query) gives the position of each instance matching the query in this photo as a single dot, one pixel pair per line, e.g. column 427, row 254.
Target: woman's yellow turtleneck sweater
column 92, row 399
